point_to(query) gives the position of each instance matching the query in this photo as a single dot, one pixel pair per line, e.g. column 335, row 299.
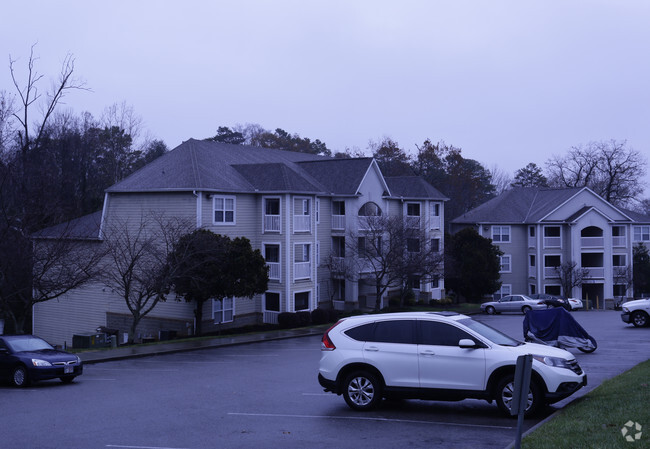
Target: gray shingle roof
column 83, row 228
column 220, row 167
column 518, row 205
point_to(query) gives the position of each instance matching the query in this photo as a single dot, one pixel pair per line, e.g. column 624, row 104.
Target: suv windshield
column 490, row 333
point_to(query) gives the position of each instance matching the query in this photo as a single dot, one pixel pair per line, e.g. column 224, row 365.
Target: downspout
column 199, row 208
column 287, row 239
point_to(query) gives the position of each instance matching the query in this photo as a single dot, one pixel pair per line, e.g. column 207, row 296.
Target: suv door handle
column 371, row 348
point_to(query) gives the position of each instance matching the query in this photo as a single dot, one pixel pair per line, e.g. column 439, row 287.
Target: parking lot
column 266, row 395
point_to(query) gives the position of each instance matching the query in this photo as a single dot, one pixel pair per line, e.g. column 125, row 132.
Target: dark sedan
column 552, row 301
column 25, row 359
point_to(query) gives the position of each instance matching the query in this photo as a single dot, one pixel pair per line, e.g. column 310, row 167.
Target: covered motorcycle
column 556, row 327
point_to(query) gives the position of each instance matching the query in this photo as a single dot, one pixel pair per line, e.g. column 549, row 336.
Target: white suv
column 437, row 356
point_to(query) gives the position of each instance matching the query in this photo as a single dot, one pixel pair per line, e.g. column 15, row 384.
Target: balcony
column 532, row 242
column 338, row 222
column 302, row 270
column 274, row 270
column 592, row 242
column 552, row 242
column 271, row 223
column 301, row 223
column 619, row 241
column 532, row 272
column 412, row 222
column 550, row 272
column 595, row 272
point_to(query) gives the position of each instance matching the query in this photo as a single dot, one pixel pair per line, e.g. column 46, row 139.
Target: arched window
column 591, row 231
column 370, row 209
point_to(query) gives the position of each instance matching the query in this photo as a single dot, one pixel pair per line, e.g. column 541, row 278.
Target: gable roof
column 412, row 187
column 83, row 228
column 220, row 167
column 519, row 205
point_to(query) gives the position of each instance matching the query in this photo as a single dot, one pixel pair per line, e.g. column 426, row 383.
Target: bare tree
column 341, row 270
column 136, row 263
column 609, row 168
column 623, row 276
column 570, row 276
column 392, row 250
column 500, row 179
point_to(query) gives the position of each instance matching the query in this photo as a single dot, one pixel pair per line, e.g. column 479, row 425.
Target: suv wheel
column 362, row 391
column 639, row 318
column 505, row 394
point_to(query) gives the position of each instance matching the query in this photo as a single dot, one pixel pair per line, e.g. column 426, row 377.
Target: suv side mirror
column 466, row 343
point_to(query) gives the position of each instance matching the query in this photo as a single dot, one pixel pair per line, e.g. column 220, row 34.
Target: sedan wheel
column 19, row 377
column 525, row 309
column 362, row 391
column 490, row 310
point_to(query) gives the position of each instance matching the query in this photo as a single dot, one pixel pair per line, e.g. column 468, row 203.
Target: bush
column 304, row 318
column 288, row 320
column 333, row 315
column 319, row 316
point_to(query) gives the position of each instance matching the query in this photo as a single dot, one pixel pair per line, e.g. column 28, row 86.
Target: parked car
column 636, row 312
column 513, row 303
column 437, row 356
column 25, row 359
column 575, row 303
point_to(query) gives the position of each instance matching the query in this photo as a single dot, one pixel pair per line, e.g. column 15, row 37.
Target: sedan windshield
column 490, row 333
column 27, row 344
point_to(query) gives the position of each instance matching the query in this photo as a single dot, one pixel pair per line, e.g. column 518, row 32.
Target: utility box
column 87, row 341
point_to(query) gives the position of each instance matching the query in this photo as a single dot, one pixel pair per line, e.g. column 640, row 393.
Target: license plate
column 68, row 369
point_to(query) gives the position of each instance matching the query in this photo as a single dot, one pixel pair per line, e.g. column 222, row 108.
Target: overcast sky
column 510, row 82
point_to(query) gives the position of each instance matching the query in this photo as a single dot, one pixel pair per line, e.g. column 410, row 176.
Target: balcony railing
column 302, row 270
column 552, row 242
column 618, row 240
column 274, row 270
column 532, row 242
column 595, row 272
column 338, row 222
column 302, row 223
column 412, row 222
column 550, row 272
column 435, row 222
column 271, row 223
column 532, row 272
column 591, row 242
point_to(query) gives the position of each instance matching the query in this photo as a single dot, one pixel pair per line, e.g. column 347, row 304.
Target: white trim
column 234, row 210
column 309, row 300
column 501, row 227
column 501, row 263
column 264, row 215
column 223, row 309
column 279, row 262
column 102, row 221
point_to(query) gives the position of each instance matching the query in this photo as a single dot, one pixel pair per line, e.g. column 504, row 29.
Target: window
column 396, row 331
column 532, row 289
column 317, row 211
column 413, row 245
column 338, row 246
column 441, row 334
column 554, row 290
column 272, row 215
column 435, row 209
column 364, row 332
column 642, row 233
column 505, row 290
column 435, row 245
column 505, row 264
column 366, row 247
column 338, row 207
column 620, row 290
column 413, row 282
column 302, row 215
column 501, row 234
column 531, row 260
column 413, row 209
column 272, row 301
column 223, row 310
column 369, row 210
column 618, row 260
column 552, row 237
column 531, row 231
column 272, row 257
column 301, row 301
column 224, row 209
column 302, row 259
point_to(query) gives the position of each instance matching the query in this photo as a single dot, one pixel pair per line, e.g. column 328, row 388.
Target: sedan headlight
column 552, row 361
column 39, row 362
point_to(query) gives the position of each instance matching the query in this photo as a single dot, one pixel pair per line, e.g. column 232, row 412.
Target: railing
column 532, row 242
column 552, row 242
column 588, row 242
column 302, row 223
column 618, row 240
column 595, row 272
column 302, row 270
column 435, row 222
column 338, row 265
column 532, row 272
column 412, row 222
column 338, row 222
column 271, row 223
column 271, row 317
column 550, row 272
column 274, row 270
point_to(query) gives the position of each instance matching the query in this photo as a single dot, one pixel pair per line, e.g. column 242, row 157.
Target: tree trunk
column 198, row 314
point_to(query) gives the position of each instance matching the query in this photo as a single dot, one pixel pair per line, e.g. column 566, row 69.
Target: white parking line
column 142, row 447
column 132, row 369
column 365, row 418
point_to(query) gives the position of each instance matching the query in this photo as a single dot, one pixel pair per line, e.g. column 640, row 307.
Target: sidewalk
column 125, row 352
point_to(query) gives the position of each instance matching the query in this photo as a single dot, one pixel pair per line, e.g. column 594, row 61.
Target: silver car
column 513, row 303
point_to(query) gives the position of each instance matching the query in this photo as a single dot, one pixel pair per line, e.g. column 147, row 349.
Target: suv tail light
column 326, row 342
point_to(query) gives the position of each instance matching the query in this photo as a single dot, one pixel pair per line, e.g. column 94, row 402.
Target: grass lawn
column 596, row 419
